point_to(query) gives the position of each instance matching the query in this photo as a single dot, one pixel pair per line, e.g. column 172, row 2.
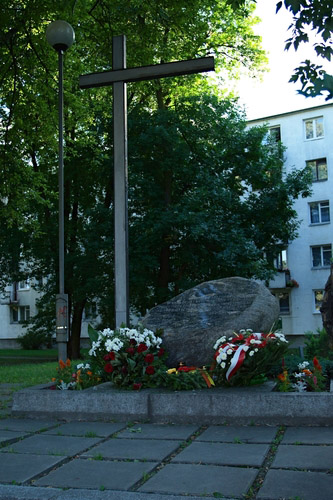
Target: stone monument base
column 243, row 405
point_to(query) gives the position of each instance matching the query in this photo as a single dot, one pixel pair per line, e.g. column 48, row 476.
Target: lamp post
column 61, row 36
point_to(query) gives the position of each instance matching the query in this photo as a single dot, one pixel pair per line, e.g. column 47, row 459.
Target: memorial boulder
column 195, row 319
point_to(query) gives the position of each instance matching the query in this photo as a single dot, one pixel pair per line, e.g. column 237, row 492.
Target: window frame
column 315, row 302
column 23, row 285
column 318, row 163
column 322, row 265
column 314, row 122
column 321, row 205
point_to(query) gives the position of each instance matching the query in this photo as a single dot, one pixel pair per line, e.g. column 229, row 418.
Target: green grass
column 28, row 374
column 29, row 353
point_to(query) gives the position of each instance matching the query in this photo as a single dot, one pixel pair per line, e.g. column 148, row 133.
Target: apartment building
column 304, row 267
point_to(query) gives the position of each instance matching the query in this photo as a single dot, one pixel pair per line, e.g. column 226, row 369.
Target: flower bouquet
column 128, row 357
column 306, row 378
column 74, row 377
column 245, row 357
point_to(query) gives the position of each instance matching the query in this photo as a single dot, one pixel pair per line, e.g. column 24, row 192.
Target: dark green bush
column 34, row 340
column 316, row 344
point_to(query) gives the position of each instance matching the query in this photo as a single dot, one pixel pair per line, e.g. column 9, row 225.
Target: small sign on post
column 62, row 325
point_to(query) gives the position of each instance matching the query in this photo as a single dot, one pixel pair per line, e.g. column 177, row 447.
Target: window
column 319, row 212
column 318, row 168
column 24, row 285
column 318, row 299
column 275, row 133
column 280, row 261
column 314, row 128
column 20, row 314
column 283, row 298
column 90, row 311
column 321, row 256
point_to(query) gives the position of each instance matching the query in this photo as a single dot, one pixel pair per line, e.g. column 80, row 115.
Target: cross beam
column 118, row 78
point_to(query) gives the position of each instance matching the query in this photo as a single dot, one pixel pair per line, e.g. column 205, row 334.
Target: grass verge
column 28, row 374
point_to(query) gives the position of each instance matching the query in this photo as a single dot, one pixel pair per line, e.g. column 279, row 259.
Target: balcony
column 280, row 280
column 9, row 298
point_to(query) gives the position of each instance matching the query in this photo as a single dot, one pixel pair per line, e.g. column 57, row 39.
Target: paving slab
column 233, row 434
column 16, row 467
column 51, row 445
column 223, row 454
column 8, row 437
column 9, row 492
column 200, row 480
column 14, row 492
column 26, row 424
column 308, row 435
column 159, row 431
column 295, row 484
column 304, row 457
column 86, row 429
column 137, row 449
column 96, row 474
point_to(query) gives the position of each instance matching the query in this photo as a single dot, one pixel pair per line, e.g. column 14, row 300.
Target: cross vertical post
column 120, row 185
column 118, row 77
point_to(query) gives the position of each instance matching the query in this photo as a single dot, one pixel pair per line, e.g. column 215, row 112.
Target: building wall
column 303, row 316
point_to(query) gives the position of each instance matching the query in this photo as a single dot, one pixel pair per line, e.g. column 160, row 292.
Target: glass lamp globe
column 60, row 35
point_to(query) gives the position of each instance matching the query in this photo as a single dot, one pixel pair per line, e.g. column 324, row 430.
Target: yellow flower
column 172, row 370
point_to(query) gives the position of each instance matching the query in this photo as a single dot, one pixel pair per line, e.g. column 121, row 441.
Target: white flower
column 299, row 386
column 303, row 365
column 63, row 386
column 299, row 375
column 223, row 364
column 256, row 349
column 280, row 336
column 229, row 351
column 252, row 341
column 219, row 341
column 251, row 353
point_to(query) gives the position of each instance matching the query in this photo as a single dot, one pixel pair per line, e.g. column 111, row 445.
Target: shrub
column 34, row 340
column 317, row 345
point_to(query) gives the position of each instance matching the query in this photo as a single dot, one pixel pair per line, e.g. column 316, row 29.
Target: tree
column 208, row 198
column 316, row 15
column 28, row 136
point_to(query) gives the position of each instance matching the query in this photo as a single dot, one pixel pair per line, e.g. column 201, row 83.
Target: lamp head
column 60, row 35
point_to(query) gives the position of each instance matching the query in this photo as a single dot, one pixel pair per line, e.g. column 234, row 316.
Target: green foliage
column 218, row 202
column 317, row 15
column 34, row 340
column 317, row 344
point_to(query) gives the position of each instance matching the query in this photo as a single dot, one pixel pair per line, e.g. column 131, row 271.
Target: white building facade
column 305, row 265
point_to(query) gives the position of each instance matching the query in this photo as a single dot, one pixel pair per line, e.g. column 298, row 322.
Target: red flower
column 316, row 364
column 160, row 352
column 130, row 350
column 132, row 341
column 149, row 358
column 110, row 356
column 150, row 370
column 108, row 368
column 137, row 387
column 142, row 347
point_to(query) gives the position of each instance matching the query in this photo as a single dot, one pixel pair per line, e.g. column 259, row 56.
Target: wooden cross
column 118, row 77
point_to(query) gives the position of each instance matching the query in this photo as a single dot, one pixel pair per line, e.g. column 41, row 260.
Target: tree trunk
column 74, row 341
column 327, row 309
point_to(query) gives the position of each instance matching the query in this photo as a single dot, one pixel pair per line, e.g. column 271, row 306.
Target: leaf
column 93, row 334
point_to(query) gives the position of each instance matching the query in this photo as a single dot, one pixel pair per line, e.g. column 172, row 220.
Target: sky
column 274, row 95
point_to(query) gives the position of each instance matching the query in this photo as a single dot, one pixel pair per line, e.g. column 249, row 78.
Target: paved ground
column 128, row 461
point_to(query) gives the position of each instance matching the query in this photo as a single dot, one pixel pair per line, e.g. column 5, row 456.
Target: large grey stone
column 195, row 319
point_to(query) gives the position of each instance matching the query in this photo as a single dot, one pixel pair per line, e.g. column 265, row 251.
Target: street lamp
column 61, row 36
